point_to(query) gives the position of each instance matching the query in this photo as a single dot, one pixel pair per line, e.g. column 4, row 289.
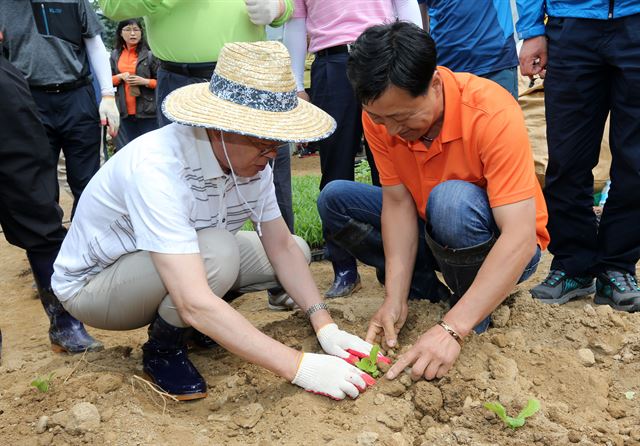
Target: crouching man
column 459, row 193
column 156, row 238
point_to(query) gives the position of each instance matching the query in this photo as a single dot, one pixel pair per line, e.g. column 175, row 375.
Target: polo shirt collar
column 451, row 125
column 208, row 162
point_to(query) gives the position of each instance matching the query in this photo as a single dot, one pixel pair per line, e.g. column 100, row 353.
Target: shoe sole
column 600, row 300
column 356, row 288
column 187, row 397
column 56, row 348
column 580, row 292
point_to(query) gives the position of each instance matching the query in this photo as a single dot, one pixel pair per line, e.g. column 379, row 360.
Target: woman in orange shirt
column 134, row 74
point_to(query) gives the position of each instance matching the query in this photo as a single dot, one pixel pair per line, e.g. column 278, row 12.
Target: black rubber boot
column 459, row 268
column 346, row 279
column 165, row 361
column 66, row 333
column 364, row 242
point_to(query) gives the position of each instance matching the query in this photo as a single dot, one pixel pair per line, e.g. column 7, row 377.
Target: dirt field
column 579, row 360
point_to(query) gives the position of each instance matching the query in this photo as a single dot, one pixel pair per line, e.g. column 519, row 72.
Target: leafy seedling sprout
column 532, row 407
column 42, row 383
column 370, row 364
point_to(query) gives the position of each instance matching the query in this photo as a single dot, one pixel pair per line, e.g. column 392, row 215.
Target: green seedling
column 370, row 364
column 43, row 383
column 532, row 407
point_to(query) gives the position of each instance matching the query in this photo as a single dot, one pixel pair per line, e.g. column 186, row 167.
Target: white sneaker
column 281, row 301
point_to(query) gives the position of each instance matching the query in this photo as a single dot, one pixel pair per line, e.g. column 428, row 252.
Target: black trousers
column 593, row 70
column 30, row 217
column 72, row 123
column 332, row 92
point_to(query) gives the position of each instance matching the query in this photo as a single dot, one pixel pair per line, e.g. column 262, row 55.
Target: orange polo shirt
column 483, row 141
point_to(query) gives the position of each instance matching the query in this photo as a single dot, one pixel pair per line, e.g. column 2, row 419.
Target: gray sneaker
column 280, row 301
column 558, row 288
column 619, row 290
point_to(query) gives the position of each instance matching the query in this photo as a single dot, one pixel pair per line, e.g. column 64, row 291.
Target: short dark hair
column 119, row 43
column 398, row 53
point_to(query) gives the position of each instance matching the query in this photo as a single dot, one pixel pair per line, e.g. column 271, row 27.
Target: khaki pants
column 129, row 293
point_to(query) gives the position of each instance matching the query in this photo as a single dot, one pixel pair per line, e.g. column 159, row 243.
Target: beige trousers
column 129, row 293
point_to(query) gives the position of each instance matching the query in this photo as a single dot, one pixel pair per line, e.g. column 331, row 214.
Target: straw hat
column 252, row 92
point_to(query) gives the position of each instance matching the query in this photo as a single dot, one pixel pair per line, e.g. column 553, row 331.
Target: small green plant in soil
column 370, row 364
column 42, row 383
column 532, row 407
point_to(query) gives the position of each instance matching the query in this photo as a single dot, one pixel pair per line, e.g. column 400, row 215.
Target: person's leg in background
column 618, row 236
column 30, row 217
column 332, row 92
column 351, row 216
column 81, row 132
column 577, row 104
column 460, row 233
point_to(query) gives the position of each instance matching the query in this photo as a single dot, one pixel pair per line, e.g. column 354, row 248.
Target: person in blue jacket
column 475, row 39
column 589, row 54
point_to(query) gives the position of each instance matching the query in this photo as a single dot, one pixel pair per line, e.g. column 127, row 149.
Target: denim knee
column 459, row 215
column 329, row 199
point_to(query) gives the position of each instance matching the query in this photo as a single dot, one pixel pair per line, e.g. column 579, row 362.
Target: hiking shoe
column 619, row 290
column 279, row 300
column 558, row 288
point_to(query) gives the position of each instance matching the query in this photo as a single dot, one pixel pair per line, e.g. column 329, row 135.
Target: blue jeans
column 460, row 227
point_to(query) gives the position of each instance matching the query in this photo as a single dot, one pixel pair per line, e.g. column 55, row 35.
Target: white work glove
column 263, row 12
column 344, row 345
column 330, row 376
column 109, row 114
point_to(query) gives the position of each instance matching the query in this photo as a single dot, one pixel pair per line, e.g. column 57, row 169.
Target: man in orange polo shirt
column 454, row 157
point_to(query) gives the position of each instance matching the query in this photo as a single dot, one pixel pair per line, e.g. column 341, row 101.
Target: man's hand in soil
column 330, row 376
column 387, row 322
column 431, row 356
column 344, row 345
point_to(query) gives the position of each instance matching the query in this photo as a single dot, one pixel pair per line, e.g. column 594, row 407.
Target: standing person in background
column 52, row 43
column 134, row 74
column 186, row 37
column 29, row 215
column 333, row 25
column 589, row 54
column 475, row 39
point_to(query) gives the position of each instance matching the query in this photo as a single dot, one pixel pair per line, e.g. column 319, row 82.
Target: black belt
column 61, row 88
column 203, row 70
column 339, row 49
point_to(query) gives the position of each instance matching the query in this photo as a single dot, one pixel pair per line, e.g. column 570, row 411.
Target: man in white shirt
column 156, row 238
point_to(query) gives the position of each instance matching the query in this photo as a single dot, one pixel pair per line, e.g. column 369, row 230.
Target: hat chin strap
column 233, row 176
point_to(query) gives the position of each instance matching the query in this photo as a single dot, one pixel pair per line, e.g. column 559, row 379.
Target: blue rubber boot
column 346, row 279
column 66, row 333
column 165, row 361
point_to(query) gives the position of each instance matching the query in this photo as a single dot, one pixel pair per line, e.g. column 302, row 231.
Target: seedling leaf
column 370, row 364
column 42, row 383
column 532, row 407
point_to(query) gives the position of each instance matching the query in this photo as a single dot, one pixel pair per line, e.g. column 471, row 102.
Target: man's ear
column 436, row 81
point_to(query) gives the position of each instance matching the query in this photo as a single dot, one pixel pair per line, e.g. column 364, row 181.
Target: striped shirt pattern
column 336, row 22
column 153, row 196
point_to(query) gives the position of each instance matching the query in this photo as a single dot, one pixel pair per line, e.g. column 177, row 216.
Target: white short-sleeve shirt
column 153, row 196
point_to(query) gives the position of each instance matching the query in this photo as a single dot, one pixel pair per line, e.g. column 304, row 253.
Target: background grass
column 305, row 190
